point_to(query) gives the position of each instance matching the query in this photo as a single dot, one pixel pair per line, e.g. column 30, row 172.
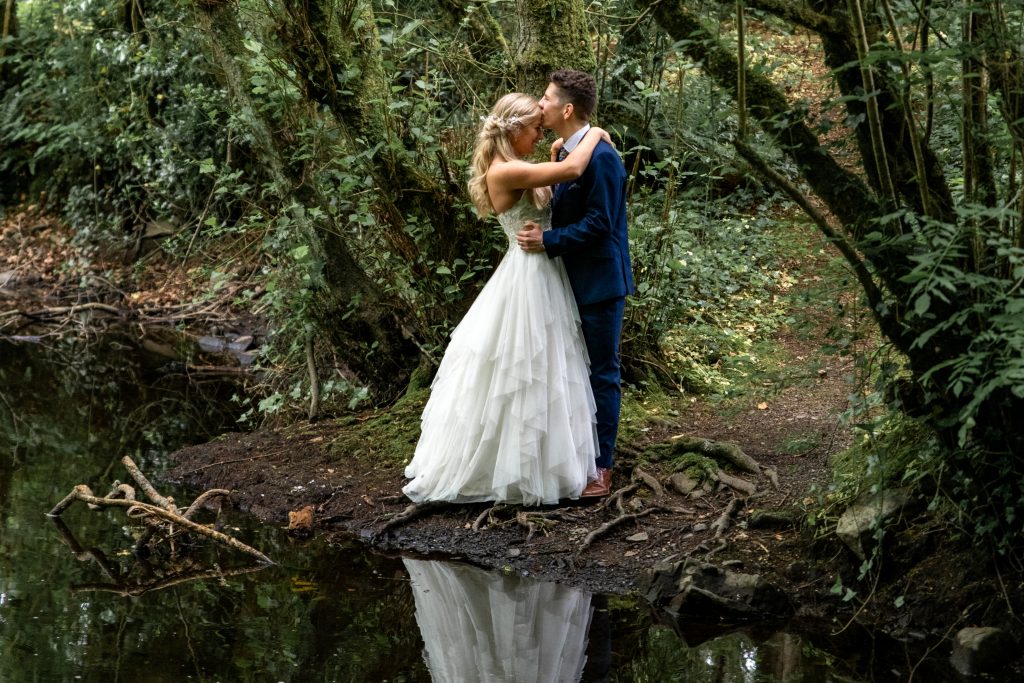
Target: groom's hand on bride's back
column 531, row 238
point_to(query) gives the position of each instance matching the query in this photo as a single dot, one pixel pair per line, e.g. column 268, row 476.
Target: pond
column 77, row 605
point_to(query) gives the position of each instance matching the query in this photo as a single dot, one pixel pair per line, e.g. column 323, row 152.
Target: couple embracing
column 525, row 404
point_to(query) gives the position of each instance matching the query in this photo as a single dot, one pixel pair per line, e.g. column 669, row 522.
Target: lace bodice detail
column 513, row 219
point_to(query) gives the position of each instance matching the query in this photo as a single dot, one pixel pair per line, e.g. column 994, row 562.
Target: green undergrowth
column 383, row 438
column 813, row 302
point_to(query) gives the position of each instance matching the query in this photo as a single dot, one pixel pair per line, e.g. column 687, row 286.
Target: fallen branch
column 147, row 488
column 199, row 502
column 63, row 310
column 135, row 591
column 84, row 494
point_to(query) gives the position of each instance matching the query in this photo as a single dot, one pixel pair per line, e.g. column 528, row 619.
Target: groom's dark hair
column 579, row 88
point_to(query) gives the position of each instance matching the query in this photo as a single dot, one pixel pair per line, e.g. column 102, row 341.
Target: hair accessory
column 505, row 124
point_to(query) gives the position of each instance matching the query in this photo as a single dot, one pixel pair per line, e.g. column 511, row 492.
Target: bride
column 511, row 414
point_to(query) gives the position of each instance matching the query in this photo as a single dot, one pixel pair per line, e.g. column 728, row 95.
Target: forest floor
column 345, row 473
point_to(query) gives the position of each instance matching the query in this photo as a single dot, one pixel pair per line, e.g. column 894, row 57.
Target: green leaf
column 922, row 304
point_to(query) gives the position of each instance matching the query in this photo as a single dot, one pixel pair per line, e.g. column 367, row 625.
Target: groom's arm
column 606, row 177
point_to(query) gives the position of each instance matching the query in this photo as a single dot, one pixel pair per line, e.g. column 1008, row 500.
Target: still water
column 76, row 605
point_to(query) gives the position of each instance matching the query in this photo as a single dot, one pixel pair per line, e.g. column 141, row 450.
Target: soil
column 349, row 469
column 276, row 471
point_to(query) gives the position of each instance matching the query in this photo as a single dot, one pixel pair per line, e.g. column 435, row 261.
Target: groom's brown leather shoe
column 600, row 487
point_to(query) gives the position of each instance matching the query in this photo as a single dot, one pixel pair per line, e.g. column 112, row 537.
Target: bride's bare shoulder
column 503, row 196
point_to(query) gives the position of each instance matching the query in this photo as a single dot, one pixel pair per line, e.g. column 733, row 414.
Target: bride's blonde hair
column 511, row 115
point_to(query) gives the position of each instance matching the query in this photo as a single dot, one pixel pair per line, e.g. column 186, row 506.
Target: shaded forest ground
column 782, row 406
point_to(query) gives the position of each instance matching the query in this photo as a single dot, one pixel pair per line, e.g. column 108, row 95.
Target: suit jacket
column 588, row 221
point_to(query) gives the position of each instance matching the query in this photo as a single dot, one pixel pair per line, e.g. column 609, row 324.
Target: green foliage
column 109, row 124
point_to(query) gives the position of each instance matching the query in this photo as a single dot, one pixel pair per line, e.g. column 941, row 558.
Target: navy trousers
column 602, row 331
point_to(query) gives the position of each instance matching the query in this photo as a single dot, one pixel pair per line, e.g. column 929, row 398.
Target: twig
column 228, row 462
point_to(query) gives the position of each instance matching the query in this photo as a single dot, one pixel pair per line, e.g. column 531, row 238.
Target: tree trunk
column 552, row 34
column 859, row 209
column 351, row 311
column 8, row 31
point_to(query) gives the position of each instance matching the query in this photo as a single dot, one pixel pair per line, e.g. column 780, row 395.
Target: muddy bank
column 274, row 472
column 349, row 471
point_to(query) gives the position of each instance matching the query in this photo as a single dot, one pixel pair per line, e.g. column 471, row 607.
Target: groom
column 589, row 232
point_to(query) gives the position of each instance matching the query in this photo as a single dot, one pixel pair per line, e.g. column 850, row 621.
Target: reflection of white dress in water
column 511, row 413
column 482, row 626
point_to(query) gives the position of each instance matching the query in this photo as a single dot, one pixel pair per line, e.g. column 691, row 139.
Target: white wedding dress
column 511, row 414
column 487, row 627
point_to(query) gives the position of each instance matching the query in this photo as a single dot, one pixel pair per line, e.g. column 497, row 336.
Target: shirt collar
column 570, row 144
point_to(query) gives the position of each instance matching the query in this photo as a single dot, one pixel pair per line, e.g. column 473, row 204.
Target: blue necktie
column 562, row 153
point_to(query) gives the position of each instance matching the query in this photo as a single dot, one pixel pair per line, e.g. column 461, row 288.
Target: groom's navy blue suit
column 588, row 223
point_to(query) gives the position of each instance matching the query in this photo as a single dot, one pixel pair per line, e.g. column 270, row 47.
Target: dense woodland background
column 320, row 149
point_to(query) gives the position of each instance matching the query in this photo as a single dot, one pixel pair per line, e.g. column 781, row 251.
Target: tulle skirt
column 486, row 627
column 511, row 414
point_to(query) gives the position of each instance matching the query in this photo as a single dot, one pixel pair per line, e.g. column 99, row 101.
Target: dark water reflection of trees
column 70, row 410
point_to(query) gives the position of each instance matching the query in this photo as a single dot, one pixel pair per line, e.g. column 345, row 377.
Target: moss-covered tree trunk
column 552, row 34
column 366, row 327
column 883, row 240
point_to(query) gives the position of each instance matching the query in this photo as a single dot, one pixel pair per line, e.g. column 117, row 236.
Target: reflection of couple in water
column 489, row 627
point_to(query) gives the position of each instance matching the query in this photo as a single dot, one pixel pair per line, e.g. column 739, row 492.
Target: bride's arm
column 521, row 175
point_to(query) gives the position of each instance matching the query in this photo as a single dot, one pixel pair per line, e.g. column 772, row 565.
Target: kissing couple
column 524, row 408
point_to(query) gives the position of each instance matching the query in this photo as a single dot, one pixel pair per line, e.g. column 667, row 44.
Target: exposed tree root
column 533, row 522
column 720, row 526
column 651, row 482
column 608, row 526
column 745, row 487
column 410, row 513
column 616, row 498
column 488, row 515
column 719, row 450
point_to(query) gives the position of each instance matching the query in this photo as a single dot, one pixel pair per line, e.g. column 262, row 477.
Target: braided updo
column 509, row 117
